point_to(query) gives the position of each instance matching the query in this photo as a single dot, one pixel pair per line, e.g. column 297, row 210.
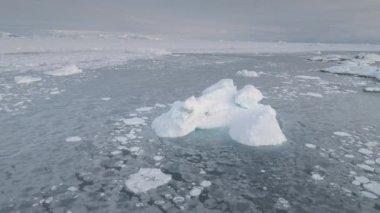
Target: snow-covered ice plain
column 83, row 142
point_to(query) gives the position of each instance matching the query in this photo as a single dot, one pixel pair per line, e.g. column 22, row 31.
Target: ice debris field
column 89, row 125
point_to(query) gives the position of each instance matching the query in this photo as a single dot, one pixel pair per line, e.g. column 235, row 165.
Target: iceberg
column 222, row 105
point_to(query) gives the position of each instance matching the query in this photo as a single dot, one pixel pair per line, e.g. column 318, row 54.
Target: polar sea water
column 81, row 140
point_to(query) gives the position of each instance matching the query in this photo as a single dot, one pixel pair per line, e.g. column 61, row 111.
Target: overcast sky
column 271, row 20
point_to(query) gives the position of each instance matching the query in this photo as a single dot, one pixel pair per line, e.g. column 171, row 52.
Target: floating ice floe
column 73, row 139
column 371, row 57
column 144, row 109
column 329, row 58
column 371, row 89
column 105, row 99
column 136, row 121
column 311, row 146
column 65, row 71
column 373, row 186
column 26, row 79
column 307, row 77
column 355, row 68
column 146, row 179
column 222, row 105
column 246, row 73
column 313, row 94
column 342, row 134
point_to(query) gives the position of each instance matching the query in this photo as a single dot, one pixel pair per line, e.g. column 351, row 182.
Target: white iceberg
column 246, row 73
column 146, row 179
column 65, row 71
column 26, row 79
column 222, row 105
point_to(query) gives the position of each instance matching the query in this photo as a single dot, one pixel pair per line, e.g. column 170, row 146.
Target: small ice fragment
column 369, row 162
column 246, row 73
column 146, row 179
column 160, row 105
column 26, row 79
column 65, row 71
column 144, row 109
column 372, row 89
column 368, row 194
column 349, row 156
column 178, row 200
column 282, row 204
column 317, row 176
column 362, row 179
column 73, row 139
column 48, row 200
column 306, row 77
column 206, row 183
column 105, row 99
column 342, row 134
column 366, row 167
column 116, row 152
column 196, row 191
column 311, row 146
column 158, row 157
column 365, row 151
column 72, row 189
column 373, row 186
column 314, row 94
column 377, row 160
column 134, row 121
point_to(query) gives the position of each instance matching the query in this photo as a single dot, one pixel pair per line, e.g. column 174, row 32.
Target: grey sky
column 288, row 20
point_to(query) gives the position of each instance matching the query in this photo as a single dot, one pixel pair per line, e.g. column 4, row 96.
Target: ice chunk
column 221, row 105
column 313, row 94
column 342, row 134
column 368, row 194
column 306, row 77
column 73, row 139
column 146, row 179
column 246, row 73
column 373, row 186
column 372, row 89
column 317, row 176
column 282, row 204
column 144, row 109
column 134, row 121
column 366, row 167
column 311, row 146
column 196, row 191
column 355, row 68
column 372, row 57
column 26, row 79
column 65, row 71
column 205, row 183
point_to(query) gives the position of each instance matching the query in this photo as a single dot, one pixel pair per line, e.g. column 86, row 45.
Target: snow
column 26, row 79
column 373, row 186
column 136, row 121
column 146, row 179
column 65, row 71
column 246, row 73
column 221, row 105
column 372, row 89
column 73, row 139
